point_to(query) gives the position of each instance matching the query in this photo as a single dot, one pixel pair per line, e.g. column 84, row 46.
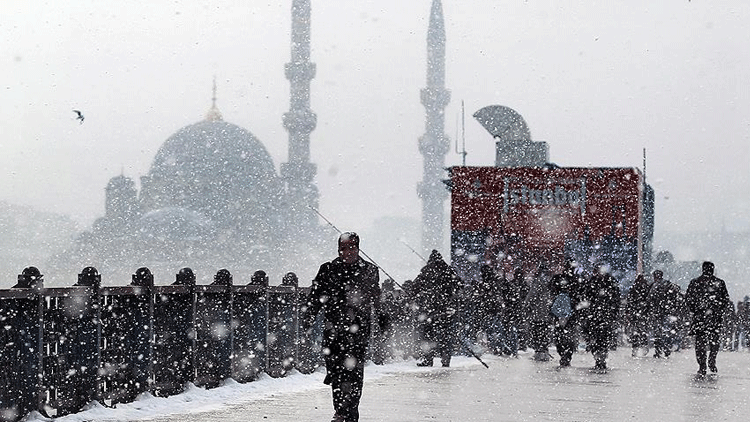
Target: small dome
column 212, row 148
column 174, row 223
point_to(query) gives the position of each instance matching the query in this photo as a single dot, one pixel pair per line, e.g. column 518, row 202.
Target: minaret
column 213, row 115
column 434, row 144
column 299, row 121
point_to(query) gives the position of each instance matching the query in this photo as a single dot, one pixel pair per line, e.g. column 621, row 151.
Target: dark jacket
column 566, row 283
column 538, row 301
column 600, row 299
column 347, row 294
column 664, row 300
column 707, row 298
column 437, row 287
column 486, row 297
column 513, row 293
column 636, row 307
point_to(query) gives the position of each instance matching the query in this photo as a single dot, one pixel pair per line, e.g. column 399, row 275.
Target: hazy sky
column 598, row 81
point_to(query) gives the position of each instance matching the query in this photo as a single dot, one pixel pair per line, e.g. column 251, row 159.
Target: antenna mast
column 463, row 152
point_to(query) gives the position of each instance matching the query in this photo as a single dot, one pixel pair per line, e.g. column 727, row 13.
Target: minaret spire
column 213, row 114
column 300, row 121
column 434, row 144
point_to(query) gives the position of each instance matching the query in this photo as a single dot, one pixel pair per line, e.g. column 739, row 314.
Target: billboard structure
column 523, row 217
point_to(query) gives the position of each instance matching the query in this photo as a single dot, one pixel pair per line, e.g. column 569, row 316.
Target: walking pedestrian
column 383, row 346
column 513, row 293
column 347, row 291
column 564, row 288
column 437, row 289
column 487, row 308
column 538, row 305
column 601, row 299
column 707, row 298
column 636, row 312
column 664, row 303
column 729, row 329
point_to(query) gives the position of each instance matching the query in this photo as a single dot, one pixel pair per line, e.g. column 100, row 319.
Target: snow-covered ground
column 510, row 390
column 201, row 400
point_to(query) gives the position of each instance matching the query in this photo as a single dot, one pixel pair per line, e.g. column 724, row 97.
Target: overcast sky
column 598, row 81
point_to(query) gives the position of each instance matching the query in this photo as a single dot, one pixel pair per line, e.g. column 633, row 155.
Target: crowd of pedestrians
column 437, row 314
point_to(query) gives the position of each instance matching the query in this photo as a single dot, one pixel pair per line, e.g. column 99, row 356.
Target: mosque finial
column 213, row 114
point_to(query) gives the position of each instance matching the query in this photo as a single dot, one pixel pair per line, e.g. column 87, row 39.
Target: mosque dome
column 218, row 170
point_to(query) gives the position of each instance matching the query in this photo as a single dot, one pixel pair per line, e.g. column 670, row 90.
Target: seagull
column 80, row 115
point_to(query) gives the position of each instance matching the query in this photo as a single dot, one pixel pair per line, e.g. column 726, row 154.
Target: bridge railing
column 65, row 347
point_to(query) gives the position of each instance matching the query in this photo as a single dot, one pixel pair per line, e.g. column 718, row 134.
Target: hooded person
column 436, row 289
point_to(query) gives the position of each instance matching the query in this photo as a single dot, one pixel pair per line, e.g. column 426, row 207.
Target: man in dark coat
column 564, row 288
column 707, row 298
column 601, row 299
column 636, row 312
column 436, row 289
column 664, row 303
column 486, row 308
column 347, row 290
column 383, row 340
column 538, row 305
column 513, row 293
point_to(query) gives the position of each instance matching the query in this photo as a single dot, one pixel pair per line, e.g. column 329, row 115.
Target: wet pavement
column 524, row 390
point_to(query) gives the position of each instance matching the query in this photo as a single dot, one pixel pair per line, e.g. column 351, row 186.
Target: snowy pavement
column 510, row 390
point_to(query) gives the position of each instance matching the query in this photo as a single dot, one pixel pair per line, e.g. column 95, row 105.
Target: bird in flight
column 80, row 115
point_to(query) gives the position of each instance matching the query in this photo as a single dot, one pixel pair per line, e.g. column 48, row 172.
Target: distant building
column 212, row 197
column 29, row 237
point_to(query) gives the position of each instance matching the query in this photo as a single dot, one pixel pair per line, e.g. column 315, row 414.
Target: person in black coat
column 707, row 298
column 437, row 287
column 564, row 288
column 486, row 308
column 538, row 305
column 636, row 312
column 600, row 298
column 513, row 293
column 347, row 291
column 664, row 303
